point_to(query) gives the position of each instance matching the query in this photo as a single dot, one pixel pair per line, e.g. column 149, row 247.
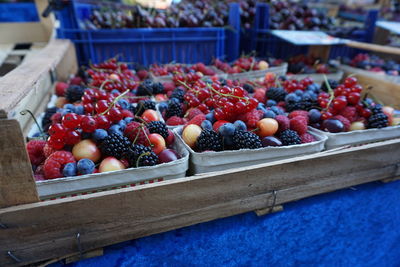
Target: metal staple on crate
column 78, row 240
column 12, row 256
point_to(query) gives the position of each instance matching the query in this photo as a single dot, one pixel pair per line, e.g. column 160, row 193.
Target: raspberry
column 260, row 95
column 55, row 163
column 193, row 113
column 175, row 120
column 345, row 122
column 169, row 86
column 61, row 88
column 252, row 117
column 136, row 132
column 349, row 113
column 307, row 138
column 283, row 121
column 48, row 150
column 296, row 113
column 56, row 118
column 39, row 177
column 298, row 124
column 35, row 151
column 197, row 119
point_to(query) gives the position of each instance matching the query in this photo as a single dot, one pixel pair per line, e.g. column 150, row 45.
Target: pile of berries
column 97, row 129
column 172, row 69
column 242, row 64
column 374, row 63
column 261, row 130
column 342, row 109
column 303, row 64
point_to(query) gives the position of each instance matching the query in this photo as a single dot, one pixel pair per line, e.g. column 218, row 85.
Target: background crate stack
column 147, row 46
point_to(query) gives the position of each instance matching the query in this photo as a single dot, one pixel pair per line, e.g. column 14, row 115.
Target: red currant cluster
column 242, row 64
column 293, row 85
column 180, row 69
column 346, row 94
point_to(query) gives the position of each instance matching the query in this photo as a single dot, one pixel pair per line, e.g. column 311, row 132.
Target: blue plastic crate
column 18, row 12
column 145, row 45
column 269, row 45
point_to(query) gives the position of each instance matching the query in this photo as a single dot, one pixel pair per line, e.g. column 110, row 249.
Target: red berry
column 219, row 114
column 101, row 106
column 35, row 151
column 366, row 113
column 89, row 108
column 239, row 91
column 71, row 120
column 353, row 98
column 229, row 108
column 102, row 122
column 115, row 115
column 88, row 124
column 357, row 88
column 72, row 137
column 339, row 103
column 350, row 82
column 55, row 142
column 240, row 107
column 203, row 94
column 299, row 124
column 326, row 115
column 55, row 163
column 57, row 130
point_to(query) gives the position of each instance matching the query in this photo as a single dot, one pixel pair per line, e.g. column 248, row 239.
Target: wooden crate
column 32, row 231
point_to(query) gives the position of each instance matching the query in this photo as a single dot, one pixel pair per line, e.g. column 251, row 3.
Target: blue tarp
column 351, row 227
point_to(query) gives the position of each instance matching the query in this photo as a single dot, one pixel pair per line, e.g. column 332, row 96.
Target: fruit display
column 184, row 14
column 181, row 69
column 374, row 63
column 303, row 64
column 100, row 123
column 242, row 64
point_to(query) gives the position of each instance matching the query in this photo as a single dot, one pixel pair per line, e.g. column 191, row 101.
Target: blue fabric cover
column 351, row 227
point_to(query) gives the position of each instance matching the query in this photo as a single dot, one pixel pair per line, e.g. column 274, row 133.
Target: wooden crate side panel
column 110, row 217
column 17, row 185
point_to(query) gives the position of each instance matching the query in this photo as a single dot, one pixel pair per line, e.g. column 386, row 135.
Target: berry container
column 148, row 45
column 218, row 161
column 168, row 78
column 375, row 75
column 259, row 74
column 359, row 137
column 318, row 78
column 67, row 186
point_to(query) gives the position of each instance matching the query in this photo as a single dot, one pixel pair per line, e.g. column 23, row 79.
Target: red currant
column 239, row 91
column 70, row 120
column 353, row 98
column 72, row 137
column 55, row 142
column 103, row 122
column 88, row 124
column 366, row 113
column 115, row 115
column 101, row 106
column 339, row 103
column 57, row 130
column 326, row 115
column 350, row 82
column 219, row 114
column 89, row 108
column 240, row 107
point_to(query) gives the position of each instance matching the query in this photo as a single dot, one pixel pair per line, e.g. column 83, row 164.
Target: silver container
column 217, row 161
column 318, row 78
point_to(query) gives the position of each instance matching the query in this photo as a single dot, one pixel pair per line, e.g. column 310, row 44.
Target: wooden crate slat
column 17, row 185
column 110, row 217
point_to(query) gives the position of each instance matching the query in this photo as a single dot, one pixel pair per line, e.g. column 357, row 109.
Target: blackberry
column 292, row 106
column 378, row 120
column 115, row 145
column 74, row 93
column 178, row 93
column 376, row 109
column 209, row 140
column 158, row 127
column 307, row 103
column 144, row 105
column 276, row 93
column 174, row 109
column 145, row 88
column 248, row 88
column 290, row 137
column 158, row 88
column 246, row 140
column 46, row 122
column 140, row 155
column 332, row 83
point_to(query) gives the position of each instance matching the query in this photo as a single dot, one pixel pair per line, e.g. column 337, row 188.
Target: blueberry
column 99, row 135
column 206, row 124
column 85, row 166
column 79, row 110
column 123, row 103
column 314, row 115
column 69, row 107
column 122, row 124
column 269, row 114
column 298, row 92
column 65, row 111
column 277, row 110
column 115, row 129
column 240, row 125
column 260, row 106
column 162, row 106
column 210, row 117
column 271, row 103
column 69, row 169
column 115, row 91
column 228, row 129
column 292, row 97
column 128, row 119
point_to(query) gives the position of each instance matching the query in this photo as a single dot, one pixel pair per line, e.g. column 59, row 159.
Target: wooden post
column 320, row 51
column 17, row 185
